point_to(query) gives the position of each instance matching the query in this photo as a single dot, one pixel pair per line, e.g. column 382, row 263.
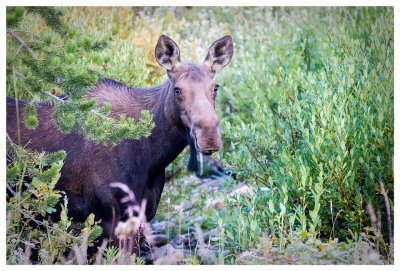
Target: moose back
column 183, row 109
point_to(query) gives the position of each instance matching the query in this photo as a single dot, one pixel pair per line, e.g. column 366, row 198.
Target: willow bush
column 309, row 114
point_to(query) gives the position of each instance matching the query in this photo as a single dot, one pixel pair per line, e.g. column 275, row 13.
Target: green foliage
column 29, row 204
column 51, row 16
column 60, row 63
column 30, row 116
column 319, row 136
column 14, row 15
column 307, row 119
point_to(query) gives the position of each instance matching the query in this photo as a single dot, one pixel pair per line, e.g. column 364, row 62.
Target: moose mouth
column 208, row 151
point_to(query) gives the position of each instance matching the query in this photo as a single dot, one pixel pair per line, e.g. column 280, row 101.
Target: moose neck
column 169, row 137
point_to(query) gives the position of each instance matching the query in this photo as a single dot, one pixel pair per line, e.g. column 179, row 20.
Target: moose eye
column 216, row 87
column 177, row 91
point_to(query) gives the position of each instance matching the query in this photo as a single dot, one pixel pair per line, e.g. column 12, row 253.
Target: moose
column 183, row 109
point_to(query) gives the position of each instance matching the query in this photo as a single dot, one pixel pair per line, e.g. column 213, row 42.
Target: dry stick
column 29, row 93
column 14, row 146
column 389, row 220
column 255, row 158
column 292, row 135
column 37, row 221
column 20, row 75
column 12, row 33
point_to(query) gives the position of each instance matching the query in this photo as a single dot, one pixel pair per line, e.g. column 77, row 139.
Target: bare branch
column 19, row 49
column 28, row 32
column 10, row 189
column 42, row 224
column 20, row 75
column 12, row 33
column 53, row 96
column 29, row 92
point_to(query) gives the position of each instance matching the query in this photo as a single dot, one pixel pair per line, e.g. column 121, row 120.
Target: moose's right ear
column 220, row 53
column 167, row 53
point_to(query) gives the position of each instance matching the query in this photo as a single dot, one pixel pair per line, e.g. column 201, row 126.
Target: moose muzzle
column 207, row 135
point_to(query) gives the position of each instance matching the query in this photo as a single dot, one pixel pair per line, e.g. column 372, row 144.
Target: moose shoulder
column 183, row 109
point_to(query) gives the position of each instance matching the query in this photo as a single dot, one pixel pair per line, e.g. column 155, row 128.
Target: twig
column 42, row 224
column 43, row 91
column 291, row 129
column 352, row 235
column 29, row 92
column 20, row 75
column 16, row 105
column 101, row 251
column 26, row 242
column 9, row 188
column 19, row 49
column 12, row 33
column 28, row 32
column 255, row 158
column 53, row 96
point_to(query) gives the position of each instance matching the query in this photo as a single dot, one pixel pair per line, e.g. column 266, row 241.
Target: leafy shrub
column 319, row 136
column 30, row 203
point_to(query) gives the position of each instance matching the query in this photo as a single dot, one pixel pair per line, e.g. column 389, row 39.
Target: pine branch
column 50, row 15
column 18, row 38
column 43, row 91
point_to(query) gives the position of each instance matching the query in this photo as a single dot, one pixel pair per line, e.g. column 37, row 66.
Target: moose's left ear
column 167, row 53
column 220, row 53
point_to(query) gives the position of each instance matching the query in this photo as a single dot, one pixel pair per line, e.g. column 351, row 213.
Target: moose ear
column 167, row 53
column 220, row 53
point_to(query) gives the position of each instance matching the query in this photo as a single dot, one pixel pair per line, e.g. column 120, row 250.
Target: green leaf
column 63, row 215
column 230, row 235
column 253, row 225
column 90, row 219
column 271, row 206
column 95, row 232
column 303, row 235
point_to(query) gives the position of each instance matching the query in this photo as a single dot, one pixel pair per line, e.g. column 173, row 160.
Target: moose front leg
column 153, row 195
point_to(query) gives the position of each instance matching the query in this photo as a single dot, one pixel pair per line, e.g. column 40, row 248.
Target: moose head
column 193, row 89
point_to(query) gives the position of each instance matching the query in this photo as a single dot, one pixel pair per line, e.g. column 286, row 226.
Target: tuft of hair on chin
column 193, row 164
